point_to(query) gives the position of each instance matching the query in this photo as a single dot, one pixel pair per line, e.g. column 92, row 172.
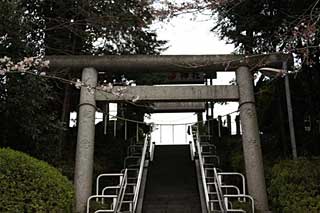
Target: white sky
column 189, row 36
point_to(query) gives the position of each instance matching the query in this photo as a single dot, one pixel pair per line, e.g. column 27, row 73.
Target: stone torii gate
column 242, row 92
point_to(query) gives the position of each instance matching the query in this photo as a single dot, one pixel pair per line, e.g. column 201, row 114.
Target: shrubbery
column 295, row 186
column 31, row 185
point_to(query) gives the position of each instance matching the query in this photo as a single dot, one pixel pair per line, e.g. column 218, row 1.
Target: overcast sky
column 186, row 35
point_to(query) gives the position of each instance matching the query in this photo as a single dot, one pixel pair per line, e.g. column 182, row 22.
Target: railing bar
column 105, row 175
column 239, row 174
column 98, row 196
column 144, row 151
column 121, row 191
column 241, row 195
column 204, row 182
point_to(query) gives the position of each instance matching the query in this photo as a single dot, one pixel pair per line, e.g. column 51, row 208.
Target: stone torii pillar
column 251, row 139
column 85, row 140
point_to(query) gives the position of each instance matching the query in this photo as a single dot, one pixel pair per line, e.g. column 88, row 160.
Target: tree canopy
column 258, row 27
column 34, row 108
column 78, row 27
column 268, row 26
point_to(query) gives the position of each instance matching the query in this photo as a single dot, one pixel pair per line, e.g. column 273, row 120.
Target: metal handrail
column 222, row 198
column 122, row 191
column 152, row 147
column 238, row 196
column 204, row 182
column 231, row 187
column 97, row 197
column 109, row 187
column 223, row 208
column 235, row 174
column 120, row 175
column 192, row 150
column 137, row 190
column 118, row 198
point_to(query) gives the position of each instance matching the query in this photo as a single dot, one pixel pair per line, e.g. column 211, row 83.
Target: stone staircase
column 172, row 182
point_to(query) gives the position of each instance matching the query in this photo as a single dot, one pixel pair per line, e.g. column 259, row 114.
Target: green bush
column 31, row 185
column 295, row 186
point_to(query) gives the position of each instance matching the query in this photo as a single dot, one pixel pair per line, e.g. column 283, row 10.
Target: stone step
column 172, row 183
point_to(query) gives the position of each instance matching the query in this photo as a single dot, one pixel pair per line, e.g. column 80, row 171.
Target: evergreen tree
column 266, row 26
column 29, row 105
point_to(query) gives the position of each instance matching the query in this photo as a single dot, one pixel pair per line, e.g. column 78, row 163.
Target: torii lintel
column 167, row 63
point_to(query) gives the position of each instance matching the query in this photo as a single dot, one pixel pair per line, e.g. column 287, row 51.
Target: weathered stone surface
column 171, row 93
column 166, row 63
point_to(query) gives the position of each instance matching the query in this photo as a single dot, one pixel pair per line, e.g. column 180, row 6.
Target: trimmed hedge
column 295, row 186
column 31, row 185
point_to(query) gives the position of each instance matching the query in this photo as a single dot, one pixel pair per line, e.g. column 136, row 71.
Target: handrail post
column 219, row 192
column 125, row 130
column 172, row 133
column 152, row 147
column 191, row 150
column 136, row 194
column 122, row 189
column 137, row 133
column 204, row 182
column 106, row 175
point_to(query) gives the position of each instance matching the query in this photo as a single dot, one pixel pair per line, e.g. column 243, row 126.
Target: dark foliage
column 295, row 186
column 30, row 185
